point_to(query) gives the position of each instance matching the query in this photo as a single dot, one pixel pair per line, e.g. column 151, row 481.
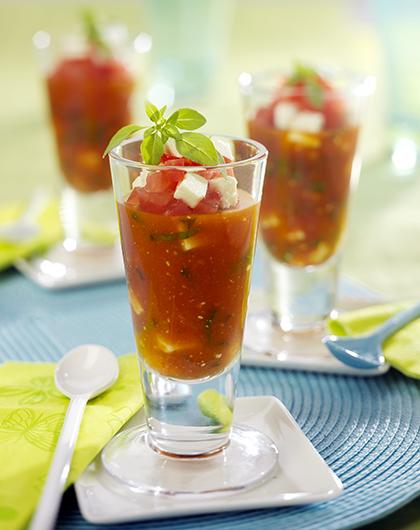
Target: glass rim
column 261, row 153
column 355, row 83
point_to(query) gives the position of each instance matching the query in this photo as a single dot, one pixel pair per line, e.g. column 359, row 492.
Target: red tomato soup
column 89, row 100
column 188, row 272
column 311, row 150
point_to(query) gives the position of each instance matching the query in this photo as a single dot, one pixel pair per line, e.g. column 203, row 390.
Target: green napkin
column 50, row 233
column 31, row 414
column 402, row 350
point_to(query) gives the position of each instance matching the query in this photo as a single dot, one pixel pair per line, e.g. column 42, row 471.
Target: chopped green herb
column 288, row 256
column 140, row 273
column 295, row 175
column 283, row 165
column 188, row 222
column 185, row 271
column 173, row 236
column 318, row 186
column 137, row 217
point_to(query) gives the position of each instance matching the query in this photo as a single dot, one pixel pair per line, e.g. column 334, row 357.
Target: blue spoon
column 366, row 351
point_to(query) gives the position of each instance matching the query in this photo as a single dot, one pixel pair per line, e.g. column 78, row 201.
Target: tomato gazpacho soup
column 89, row 96
column 311, row 138
column 188, row 239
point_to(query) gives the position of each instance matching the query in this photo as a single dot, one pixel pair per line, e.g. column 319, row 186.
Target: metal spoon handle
column 396, row 322
column 49, row 504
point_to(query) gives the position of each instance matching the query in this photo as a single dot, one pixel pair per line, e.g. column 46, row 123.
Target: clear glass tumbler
column 89, row 91
column 311, row 167
column 188, row 278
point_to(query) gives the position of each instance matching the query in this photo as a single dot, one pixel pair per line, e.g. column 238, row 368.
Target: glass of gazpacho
column 188, row 234
column 90, row 83
column 309, row 121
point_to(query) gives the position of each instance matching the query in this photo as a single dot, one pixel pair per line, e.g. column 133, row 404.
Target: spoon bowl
column 359, row 352
column 86, row 370
column 366, row 351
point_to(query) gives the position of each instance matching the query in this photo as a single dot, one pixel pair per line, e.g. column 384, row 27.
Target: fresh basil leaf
column 162, row 111
column 197, row 147
column 119, row 136
column 173, row 118
column 149, row 131
column 315, row 94
column 189, row 119
column 152, row 149
column 171, row 131
column 302, row 73
column 93, row 34
column 152, row 111
column 164, row 137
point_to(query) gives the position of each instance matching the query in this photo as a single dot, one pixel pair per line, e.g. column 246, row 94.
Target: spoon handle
column 396, row 322
column 49, row 504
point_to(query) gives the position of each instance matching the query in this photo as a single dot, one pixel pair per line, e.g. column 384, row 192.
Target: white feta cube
column 224, row 147
column 309, row 122
column 170, row 147
column 284, row 113
column 141, row 180
column 228, row 188
column 192, row 189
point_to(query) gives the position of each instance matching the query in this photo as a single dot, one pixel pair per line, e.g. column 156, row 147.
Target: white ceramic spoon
column 81, row 374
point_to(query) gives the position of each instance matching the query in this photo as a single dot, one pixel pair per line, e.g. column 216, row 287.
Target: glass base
column 263, row 334
column 249, row 459
column 89, row 219
column 302, row 297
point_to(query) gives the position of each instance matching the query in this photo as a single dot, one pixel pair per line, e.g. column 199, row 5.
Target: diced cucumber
column 214, row 405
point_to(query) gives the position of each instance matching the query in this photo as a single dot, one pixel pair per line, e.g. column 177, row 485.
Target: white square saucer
column 59, row 268
column 303, row 477
column 264, row 344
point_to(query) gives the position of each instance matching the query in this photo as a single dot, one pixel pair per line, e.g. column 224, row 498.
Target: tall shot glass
column 188, row 280
column 310, row 173
column 89, row 91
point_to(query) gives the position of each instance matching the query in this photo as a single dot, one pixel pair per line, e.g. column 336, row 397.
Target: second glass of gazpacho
column 90, row 83
column 188, row 209
column 309, row 121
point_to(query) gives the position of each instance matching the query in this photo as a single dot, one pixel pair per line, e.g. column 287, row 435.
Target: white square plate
column 303, row 477
column 61, row 269
column 308, row 352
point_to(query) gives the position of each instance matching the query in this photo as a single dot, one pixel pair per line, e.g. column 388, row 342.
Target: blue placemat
column 366, row 429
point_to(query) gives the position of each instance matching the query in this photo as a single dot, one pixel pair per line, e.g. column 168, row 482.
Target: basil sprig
column 193, row 145
column 93, row 34
column 314, row 90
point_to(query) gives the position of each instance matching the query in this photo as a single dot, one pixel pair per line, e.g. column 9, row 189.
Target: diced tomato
column 265, row 115
column 210, row 203
column 335, row 113
column 178, row 207
column 171, row 160
column 209, row 173
column 149, row 202
column 164, row 180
